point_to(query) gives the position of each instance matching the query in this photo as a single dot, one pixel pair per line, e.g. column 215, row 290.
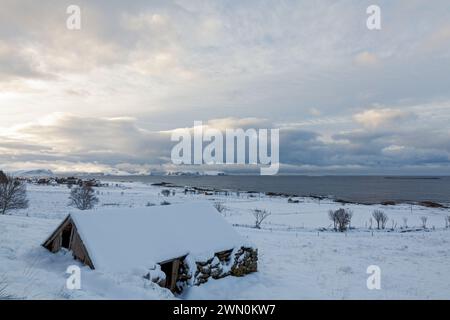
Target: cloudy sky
column 106, row 97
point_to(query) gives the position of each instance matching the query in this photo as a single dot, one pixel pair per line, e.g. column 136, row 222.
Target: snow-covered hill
column 299, row 256
column 33, row 173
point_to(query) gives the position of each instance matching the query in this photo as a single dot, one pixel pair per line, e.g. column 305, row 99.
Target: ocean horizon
column 358, row 189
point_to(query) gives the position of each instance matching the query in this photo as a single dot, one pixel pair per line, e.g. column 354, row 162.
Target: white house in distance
column 188, row 242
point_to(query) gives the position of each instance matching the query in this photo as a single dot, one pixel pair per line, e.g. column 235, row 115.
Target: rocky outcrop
column 237, row 262
column 246, row 261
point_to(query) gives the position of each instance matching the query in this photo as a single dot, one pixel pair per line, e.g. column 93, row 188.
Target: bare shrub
column 3, row 177
column 219, row 207
column 260, row 216
column 333, row 217
column 341, row 219
column 424, row 220
column 447, row 222
column 13, row 194
column 165, row 192
column 165, row 203
column 381, row 218
column 83, row 197
column 394, row 225
column 405, row 223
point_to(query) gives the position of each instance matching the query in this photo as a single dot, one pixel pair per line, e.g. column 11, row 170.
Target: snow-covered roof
column 125, row 238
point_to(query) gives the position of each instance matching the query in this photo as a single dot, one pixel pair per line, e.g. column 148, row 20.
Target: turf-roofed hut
column 176, row 245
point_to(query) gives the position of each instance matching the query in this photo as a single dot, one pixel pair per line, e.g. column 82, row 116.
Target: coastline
column 347, row 189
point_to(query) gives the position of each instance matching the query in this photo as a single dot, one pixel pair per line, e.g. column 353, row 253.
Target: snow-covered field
column 297, row 258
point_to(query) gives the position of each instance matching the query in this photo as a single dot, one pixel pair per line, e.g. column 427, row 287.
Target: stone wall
column 237, row 262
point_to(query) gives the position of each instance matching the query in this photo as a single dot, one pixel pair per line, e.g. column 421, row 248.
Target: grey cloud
column 120, row 142
column 74, row 138
column 164, row 64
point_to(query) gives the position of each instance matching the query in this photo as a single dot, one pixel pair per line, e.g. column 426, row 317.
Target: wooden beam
column 175, row 267
column 56, row 232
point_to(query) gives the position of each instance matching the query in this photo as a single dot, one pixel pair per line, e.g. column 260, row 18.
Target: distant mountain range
column 195, row 173
column 34, row 173
column 49, row 173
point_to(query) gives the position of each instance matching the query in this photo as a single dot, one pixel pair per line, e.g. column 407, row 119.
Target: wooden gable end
column 67, row 236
